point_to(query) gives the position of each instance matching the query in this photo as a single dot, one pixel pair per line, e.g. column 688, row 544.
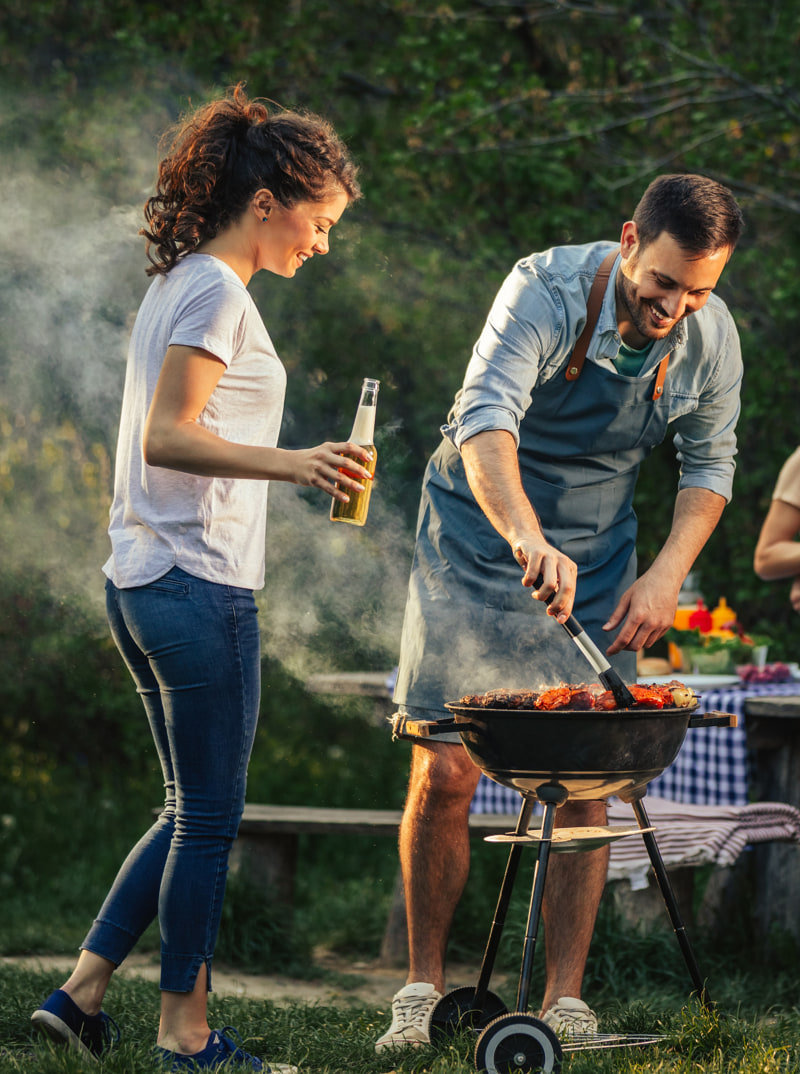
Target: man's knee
column 442, row 773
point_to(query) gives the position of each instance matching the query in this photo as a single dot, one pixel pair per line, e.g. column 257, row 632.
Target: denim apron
column 470, row 625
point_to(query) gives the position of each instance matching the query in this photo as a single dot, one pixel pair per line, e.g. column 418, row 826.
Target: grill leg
column 552, row 798
column 671, row 903
column 507, row 887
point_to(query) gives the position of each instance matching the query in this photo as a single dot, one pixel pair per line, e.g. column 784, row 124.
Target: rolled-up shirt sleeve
column 705, row 437
column 522, row 327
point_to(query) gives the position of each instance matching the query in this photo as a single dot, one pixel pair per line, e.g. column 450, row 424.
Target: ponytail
column 219, row 156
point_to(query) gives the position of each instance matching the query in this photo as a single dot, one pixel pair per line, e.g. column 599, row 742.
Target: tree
column 485, row 129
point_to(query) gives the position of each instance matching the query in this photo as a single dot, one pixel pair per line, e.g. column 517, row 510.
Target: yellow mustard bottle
column 721, row 617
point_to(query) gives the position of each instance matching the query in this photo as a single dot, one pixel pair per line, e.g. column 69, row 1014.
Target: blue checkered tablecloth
column 711, row 768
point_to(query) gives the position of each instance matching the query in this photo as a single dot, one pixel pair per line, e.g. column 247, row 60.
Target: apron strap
column 661, row 377
column 593, row 306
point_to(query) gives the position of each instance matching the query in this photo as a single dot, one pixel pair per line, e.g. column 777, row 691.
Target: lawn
column 339, row 1039
column 62, row 835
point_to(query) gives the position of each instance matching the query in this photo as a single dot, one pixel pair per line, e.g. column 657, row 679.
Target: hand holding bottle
column 320, row 467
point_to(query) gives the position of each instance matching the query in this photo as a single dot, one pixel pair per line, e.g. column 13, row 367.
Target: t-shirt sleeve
column 212, row 317
column 787, row 487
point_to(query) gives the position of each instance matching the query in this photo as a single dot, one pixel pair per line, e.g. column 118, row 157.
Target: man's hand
column 556, row 573
column 646, row 611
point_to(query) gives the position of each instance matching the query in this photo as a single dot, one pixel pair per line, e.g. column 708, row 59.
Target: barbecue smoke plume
column 72, row 278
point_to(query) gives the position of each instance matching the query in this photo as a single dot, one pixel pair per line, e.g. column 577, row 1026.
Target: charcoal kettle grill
column 551, row 757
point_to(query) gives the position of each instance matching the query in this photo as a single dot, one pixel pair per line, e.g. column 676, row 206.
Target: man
column 562, row 399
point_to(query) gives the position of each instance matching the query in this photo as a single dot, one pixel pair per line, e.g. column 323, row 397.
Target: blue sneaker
column 65, row 1023
column 220, row 1051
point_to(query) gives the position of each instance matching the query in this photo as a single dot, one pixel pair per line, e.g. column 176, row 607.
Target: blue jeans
column 193, row 649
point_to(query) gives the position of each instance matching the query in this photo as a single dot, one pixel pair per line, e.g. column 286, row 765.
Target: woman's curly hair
column 219, row 156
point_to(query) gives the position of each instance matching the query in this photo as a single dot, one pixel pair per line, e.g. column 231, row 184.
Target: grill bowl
column 593, row 753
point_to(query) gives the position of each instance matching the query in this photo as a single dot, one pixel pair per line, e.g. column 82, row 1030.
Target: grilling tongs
column 607, row 675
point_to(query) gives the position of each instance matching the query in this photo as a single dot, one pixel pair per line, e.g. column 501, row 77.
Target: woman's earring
column 264, row 219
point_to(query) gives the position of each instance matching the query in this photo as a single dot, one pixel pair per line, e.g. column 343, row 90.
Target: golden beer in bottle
column 363, row 434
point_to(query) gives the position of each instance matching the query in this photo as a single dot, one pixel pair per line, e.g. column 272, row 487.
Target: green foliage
column 65, row 696
column 315, row 753
column 483, row 132
column 44, row 464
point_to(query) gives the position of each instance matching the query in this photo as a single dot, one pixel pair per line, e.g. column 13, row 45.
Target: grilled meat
column 582, row 697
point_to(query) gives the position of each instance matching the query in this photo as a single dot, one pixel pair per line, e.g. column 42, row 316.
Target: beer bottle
column 363, row 434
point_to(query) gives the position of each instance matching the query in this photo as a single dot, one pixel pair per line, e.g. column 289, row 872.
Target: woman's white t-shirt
column 212, row 527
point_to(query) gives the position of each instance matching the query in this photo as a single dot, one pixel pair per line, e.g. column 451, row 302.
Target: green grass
column 65, row 826
column 635, row 978
column 339, row 1040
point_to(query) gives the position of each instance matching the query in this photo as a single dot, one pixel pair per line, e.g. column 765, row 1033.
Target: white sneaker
column 411, row 1007
column 571, row 1019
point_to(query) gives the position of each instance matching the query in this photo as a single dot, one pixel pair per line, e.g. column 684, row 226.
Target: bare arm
column 174, row 439
column 492, row 467
column 777, row 552
column 647, row 608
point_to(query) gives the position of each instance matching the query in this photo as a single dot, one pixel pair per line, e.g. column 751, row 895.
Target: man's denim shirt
column 534, row 323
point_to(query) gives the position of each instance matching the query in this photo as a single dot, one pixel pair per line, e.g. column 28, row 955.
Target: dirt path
column 342, row 981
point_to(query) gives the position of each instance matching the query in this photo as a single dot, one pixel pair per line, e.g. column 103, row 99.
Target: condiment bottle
column 721, row 617
column 700, row 619
column 682, row 614
column 689, row 599
column 363, row 434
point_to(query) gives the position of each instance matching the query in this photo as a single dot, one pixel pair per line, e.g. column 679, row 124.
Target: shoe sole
column 58, row 1032
column 391, row 1045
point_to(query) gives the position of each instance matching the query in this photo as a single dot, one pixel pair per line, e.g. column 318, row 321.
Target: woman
column 778, row 551
column 240, row 190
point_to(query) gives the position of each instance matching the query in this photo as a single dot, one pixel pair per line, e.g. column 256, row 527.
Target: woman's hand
column 322, row 466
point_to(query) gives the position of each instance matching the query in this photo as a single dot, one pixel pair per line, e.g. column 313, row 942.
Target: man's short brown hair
column 699, row 213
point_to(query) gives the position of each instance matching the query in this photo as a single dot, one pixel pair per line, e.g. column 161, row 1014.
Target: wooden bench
column 266, row 850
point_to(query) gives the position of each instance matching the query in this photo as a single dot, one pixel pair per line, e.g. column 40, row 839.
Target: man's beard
column 639, row 310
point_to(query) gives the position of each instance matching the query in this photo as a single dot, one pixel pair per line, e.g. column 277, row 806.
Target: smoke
column 334, row 594
column 71, row 273
column 71, row 280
